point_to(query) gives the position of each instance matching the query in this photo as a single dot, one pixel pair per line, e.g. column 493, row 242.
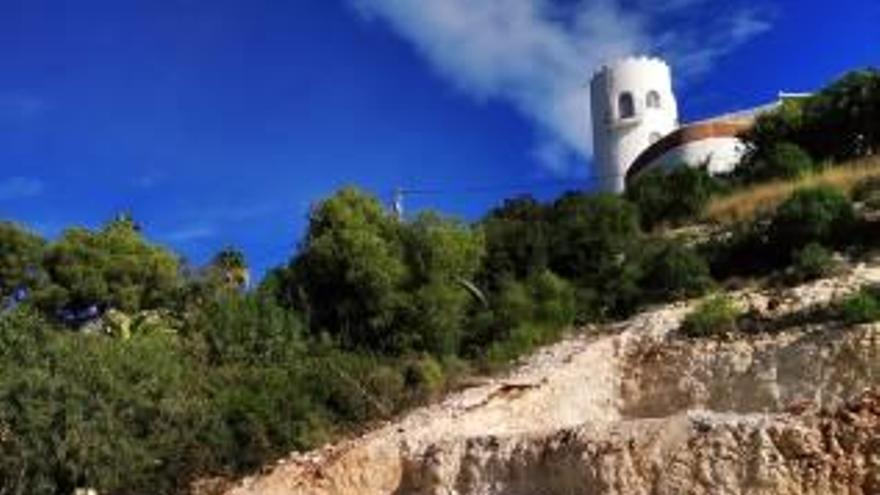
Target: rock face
column 637, row 411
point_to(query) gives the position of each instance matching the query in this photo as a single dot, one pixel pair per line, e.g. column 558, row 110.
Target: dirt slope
column 637, row 411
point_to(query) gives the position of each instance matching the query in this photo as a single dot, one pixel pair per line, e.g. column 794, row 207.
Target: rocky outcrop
column 638, row 410
column 693, row 453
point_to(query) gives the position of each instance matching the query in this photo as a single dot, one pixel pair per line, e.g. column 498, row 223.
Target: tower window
column 626, row 105
column 653, row 100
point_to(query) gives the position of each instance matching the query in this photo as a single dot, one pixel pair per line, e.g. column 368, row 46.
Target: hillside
column 634, row 407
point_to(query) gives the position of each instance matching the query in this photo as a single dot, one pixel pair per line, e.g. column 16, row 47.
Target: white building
column 636, row 128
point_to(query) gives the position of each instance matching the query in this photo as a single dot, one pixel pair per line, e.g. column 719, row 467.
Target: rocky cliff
column 636, row 409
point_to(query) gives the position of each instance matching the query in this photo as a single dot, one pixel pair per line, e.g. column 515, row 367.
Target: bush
column 119, row 416
column 868, row 192
column 862, row 307
column 812, row 262
column 671, row 271
column 672, row 197
column 819, row 214
column 714, row 316
column 424, row 377
column 248, row 328
column 781, row 161
column 523, row 315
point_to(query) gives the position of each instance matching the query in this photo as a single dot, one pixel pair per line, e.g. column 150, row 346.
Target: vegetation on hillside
column 124, row 369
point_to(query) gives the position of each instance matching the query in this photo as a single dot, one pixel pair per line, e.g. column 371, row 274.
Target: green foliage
column 517, row 237
column 21, row 255
column 442, row 256
column 812, row 262
column 868, row 192
column 352, row 270
column 714, row 316
column 671, row 197
column 672, row 271
column 843, row 120
column 523, row 315
column 120, row 416
column 250, row 329
column 862, row 307
column 261, row 412
column 113, row 267
column 840, row 122
column 782, row 160
column 818, row 214
column 425, row 377
column 594, row 241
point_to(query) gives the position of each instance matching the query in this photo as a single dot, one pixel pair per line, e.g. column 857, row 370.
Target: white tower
column 632, row 106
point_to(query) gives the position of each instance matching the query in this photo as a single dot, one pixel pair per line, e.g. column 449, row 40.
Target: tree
column 350, row 270
column 843, row 120
column 594, row 243
column 444, row 256
column 21, row 255
column 517, row 237
column 818, row 214
column 840, row 122
column 112, row 267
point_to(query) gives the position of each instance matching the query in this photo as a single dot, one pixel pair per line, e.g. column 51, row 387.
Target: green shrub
column 523, row 315
column 248, row 328
column 818, row 214
column 716, row 315
column 862, row 307
column 424, row 377
column 671, row 197
column 119, row 416
column 259, row 413
column 868, row 192
column 672, row 271
column 812, row 262
column 782, row 160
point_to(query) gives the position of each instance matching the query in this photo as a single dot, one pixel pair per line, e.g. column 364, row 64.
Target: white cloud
column 20, row 188
column 538, row 55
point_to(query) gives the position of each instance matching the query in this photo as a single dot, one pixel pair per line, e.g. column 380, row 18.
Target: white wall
column 617, row 141
column 723, row 153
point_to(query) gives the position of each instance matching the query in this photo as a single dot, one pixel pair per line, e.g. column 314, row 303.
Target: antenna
column 397, row 203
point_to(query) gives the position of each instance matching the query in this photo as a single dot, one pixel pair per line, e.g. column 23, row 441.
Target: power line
column 401, row 193
column 524, row 186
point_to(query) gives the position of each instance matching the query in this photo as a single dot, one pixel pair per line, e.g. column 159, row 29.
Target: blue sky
column 219, row 122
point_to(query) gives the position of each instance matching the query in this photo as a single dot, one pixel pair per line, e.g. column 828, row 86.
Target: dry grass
column 746, row 204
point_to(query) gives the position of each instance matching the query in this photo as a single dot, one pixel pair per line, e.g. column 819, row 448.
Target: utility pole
column 397, row 203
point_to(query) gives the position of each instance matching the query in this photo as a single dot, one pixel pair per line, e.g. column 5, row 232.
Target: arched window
column 653, row 100
column 626, row 105
column 654, row 137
